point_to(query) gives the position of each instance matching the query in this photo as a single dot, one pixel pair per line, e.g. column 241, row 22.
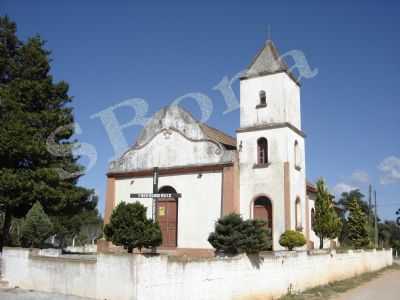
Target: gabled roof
column 176, row 117
column 219, row 136
column 268, row 61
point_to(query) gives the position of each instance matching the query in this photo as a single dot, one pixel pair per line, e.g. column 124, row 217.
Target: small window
column 263, row 100
column 298, row 215
column 262, row 149
column 297, row 155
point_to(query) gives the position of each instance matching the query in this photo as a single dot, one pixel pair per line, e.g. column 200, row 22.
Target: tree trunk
column 6, row 230
column 130, row 249
column 321, row 243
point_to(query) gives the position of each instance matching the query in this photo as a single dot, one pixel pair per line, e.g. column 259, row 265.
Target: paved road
column 384, row 287
column 18, row 294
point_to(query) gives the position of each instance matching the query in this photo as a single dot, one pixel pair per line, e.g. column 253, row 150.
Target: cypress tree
column 327, row 224
column 357, row 229
column 32, row 108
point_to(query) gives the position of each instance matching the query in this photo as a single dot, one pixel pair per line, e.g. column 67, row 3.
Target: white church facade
column 260, row 173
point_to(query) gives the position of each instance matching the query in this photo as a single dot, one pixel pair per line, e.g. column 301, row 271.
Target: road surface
column 384, row 287
column 18, row 294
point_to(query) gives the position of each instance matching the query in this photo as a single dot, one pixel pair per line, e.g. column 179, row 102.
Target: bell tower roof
column 268, row 61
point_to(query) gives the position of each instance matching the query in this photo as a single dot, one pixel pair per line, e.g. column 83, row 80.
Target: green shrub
column 36, row 227
column 130, row 228
column 233, row 235
column 292, row 239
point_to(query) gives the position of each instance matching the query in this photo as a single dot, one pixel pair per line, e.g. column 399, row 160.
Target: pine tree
column 233, row 235
column 32, row 108
column 130, row 228
column 326, row 223
column 228, row 237
column 257, row 237
column 357, row 226
column 36, row 227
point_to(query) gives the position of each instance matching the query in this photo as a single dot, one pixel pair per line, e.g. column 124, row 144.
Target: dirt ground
column 384, row 287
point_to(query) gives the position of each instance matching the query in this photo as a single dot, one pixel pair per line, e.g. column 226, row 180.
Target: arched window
column 297, row 156
column 263, row 98
column 262, row 151
column 312, row 218
column 298, row 214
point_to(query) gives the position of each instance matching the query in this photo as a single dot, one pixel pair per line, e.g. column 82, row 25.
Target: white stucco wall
column 269, row 181
column 171, row 148
column 283, row 100
column 198, row 208
column 128, row 277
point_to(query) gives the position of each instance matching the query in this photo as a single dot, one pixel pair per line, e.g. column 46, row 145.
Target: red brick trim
column 110, row 199
column 286, row 195
column 170, row 171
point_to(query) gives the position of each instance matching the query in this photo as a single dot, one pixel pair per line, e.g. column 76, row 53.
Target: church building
column 203, row 173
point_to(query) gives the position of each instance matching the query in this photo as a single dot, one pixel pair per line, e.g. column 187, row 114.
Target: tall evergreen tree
column 357, row 226
column 326, row 223
column 36, row 227
column 32, row 108
column 344, row 204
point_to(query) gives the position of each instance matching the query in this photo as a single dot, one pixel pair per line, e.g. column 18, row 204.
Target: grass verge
column 333, row 289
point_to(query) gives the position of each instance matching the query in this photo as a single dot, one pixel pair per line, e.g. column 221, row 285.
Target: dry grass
column 335, row 288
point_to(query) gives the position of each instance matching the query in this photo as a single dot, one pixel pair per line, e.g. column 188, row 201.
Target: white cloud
column 342, row 187
column 360, row 177
column 390, row 168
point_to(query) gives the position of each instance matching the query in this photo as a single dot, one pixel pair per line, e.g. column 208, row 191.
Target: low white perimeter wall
column 139, row 277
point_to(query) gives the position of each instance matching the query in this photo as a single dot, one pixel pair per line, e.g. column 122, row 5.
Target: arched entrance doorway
column 262, row 210
column 167, row 217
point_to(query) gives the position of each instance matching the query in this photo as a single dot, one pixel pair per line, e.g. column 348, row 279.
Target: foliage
column 130, row 228
column 36, row 227
column 91, row 227
column 228, row 236
column 32, row 108
column 344, row 204
column 292, row 239
column 357, row 226
column 233, row 235
column 326, row 223
column 256, row 237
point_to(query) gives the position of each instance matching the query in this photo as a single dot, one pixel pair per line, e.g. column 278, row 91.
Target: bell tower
column 271, row 144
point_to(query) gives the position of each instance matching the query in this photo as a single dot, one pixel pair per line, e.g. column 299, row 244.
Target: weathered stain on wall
column 172, row 138
column 128, row 277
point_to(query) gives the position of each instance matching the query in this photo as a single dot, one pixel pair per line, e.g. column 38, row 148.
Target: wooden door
column 167, row 217
column 263, row 211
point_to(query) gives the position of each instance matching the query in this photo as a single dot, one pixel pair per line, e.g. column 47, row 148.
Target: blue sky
column 110, row 51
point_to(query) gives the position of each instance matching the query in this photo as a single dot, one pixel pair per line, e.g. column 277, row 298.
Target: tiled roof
column 268, row 61
column 218, row 136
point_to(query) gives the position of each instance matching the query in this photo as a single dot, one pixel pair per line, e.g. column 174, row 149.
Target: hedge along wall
column 121, row 277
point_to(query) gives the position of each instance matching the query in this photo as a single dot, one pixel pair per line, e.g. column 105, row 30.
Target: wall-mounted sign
column 156, row 195
column 161, row 211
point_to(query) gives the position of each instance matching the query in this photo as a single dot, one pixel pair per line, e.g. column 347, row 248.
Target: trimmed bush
column 130, row 228
column 292, row 239
column 233, row 235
